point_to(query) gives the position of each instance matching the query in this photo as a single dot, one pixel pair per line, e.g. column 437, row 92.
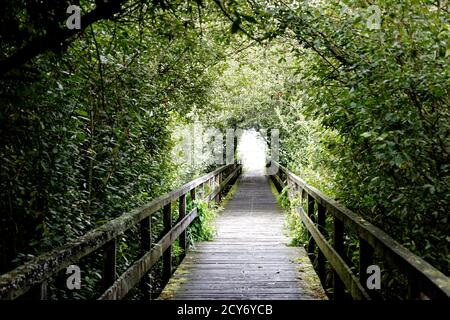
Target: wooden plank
column 40, row 292
column 167, row 255
column 109, row 269
column 218, row 197
column 338, row 245
column 132, row 276
column 146, row 244
column 145, row 229
column 247, row 264
column 365, row 260
column 193, row 194
column 321, row 220
column 237, row 290
column 181, row 215
column 241, row 285
column 311, row 243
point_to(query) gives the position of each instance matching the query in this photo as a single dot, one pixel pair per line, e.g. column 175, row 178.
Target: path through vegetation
column 250, row 258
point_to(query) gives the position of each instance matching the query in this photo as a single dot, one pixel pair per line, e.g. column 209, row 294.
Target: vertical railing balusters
column 181, row 214
column 201, row 191
column 365, row 260
column 167, row 255
column 44, row 291
column 193, row 195
column 338, row 244
column 413, row 292
column 304, row 197
column 321, row 220
column 39, row 291
column 219, row 194
column 290, row 190
column 311, row 243
column 146, row 244
column 109, row 268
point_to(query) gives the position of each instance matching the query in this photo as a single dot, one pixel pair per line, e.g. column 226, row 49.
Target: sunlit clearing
column 252, row 150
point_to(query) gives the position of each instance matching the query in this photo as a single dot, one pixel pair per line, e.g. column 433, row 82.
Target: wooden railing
column 35, row 273
column 424, row 281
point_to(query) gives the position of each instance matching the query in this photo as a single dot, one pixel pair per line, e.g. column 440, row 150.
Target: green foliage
column 202, row 228
column 89, row 135
column 362, row 113
column 385, row 93
column 88, row 127
column 294, row 226
column 283, row 198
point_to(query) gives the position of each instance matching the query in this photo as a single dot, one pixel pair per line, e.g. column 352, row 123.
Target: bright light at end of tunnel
column 252, row 150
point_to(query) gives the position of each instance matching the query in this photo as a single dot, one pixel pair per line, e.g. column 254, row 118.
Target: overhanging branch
column 58, row 37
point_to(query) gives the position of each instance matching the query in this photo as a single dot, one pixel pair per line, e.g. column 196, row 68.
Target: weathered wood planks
column 250, row 257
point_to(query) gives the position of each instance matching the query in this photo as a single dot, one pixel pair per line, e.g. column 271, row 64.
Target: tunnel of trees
column 91, row 119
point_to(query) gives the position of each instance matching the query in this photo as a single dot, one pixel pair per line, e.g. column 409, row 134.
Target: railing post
column 338, row 244
column 207, row 194
column 296, row 191
column 201, row 191
column 44, row 290
column 365, row 260
column 321, row 220
column 413, row 289
column 312, row 243
column 219, row 194
column 290, row 191
column 40, row 291
column 146, row 244
column 210, row 185
column 109, row 269
column 167, row 255
column 193, row 195
column 182, row 214
column 304, row 196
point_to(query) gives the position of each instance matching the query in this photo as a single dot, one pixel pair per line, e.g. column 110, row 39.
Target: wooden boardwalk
column 250, row 257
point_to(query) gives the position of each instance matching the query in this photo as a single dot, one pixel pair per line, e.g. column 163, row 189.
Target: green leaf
column 81, row 112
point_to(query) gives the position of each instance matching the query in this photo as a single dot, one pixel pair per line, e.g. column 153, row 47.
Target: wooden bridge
column 249, row 259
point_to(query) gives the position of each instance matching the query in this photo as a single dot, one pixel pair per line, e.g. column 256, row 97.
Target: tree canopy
column 89, row 117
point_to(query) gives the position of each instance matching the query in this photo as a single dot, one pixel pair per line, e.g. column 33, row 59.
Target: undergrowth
column 202, row 228
column 296, row 230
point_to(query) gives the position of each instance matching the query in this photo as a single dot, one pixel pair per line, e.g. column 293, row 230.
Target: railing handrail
column 432, row 282
column 21, row 279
